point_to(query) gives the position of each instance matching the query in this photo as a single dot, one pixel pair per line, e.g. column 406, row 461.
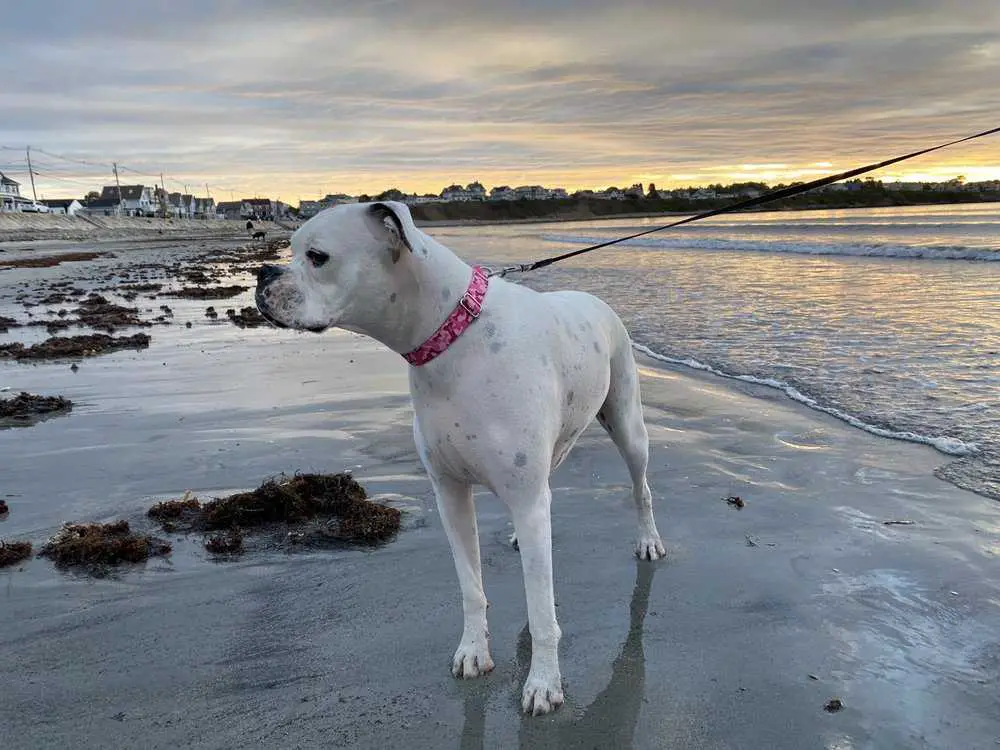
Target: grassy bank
column 572, row 209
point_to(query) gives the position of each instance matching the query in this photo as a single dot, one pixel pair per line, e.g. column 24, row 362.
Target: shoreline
column 81, row 230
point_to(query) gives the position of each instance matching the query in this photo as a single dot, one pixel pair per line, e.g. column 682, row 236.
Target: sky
column 297, row 99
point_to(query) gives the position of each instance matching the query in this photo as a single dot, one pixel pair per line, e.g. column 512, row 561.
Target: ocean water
column 888, row 318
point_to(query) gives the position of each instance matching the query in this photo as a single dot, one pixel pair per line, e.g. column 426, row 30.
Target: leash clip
column 510, row 269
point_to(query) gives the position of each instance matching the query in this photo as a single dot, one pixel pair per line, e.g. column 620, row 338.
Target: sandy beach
column 851, row 572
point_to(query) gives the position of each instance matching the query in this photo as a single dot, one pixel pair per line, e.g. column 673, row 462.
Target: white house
column 610, row 194
column 532, row 192
column 417, row 200
column 502, row 193
column 10, row 194
column 136, row 200
column 63, row 206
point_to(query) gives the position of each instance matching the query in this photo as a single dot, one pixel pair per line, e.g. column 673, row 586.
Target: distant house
column 334, row 199
column 503, row 193
column 136, row 200
column 229, row 209
column 635, row 191
column 258, row 209
column 610, row 194
column 532, row 193
column 204, row 208
column 416, row 200
column 101, row 207
column 10, row 194
column 308, row 209
column 455, row 193
column 64, row 206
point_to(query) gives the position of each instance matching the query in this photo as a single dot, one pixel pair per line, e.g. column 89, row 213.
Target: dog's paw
column 472, row 658
column 541, row 694
column 650, row 548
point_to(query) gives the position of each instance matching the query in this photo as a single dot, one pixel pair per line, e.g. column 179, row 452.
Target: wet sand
column 716, row 647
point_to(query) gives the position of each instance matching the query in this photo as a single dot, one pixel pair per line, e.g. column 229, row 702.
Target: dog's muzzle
column 265, row 276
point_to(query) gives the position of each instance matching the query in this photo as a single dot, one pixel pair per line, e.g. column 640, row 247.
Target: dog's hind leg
column 621, row 417
column 458, row 514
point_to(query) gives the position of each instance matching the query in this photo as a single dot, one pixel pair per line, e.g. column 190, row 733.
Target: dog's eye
column 317, row 257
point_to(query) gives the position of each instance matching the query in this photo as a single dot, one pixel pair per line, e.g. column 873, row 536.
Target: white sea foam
column 947, row 445
column 869, row 250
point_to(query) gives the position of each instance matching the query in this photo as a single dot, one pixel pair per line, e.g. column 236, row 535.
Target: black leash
column 748, row 203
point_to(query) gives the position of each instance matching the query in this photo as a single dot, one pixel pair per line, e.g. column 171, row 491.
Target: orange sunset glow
column 305, row 98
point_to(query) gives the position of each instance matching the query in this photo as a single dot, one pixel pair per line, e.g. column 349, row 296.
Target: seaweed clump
column 170, row 511
column 228, row 543
column 207, row 292
column 336, row 499
column 26, row 406
column 97, row 545
column 11, row 553
column 59, row 347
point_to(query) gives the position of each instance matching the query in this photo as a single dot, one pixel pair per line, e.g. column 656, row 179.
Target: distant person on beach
column 249, row 225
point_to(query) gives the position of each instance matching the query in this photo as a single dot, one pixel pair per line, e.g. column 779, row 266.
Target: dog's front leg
column 533, row 525
column 458, row 514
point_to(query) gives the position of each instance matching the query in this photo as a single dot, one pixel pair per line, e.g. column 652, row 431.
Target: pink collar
column 465, row 312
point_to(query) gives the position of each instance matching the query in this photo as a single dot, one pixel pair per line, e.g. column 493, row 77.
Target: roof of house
column 258, row 201
column 57, row 202
column 5, row 180
column 128, row 192
column 102, row 203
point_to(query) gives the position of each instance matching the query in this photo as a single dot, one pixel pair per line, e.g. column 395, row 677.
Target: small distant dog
column 260, row 234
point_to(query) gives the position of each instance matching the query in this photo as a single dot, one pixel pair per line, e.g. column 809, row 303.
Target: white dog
column 504, row 380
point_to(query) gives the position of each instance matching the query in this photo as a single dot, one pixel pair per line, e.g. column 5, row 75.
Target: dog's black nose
column 267, row 274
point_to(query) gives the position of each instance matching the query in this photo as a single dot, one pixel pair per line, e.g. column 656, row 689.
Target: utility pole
column 163, row 197
column 114, row 166
column 31, row 173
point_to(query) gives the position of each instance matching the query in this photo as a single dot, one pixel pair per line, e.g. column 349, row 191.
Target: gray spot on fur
column 569, row 398
column 445, row 293
column 545, row 360
column 520, row 459
column 491, row 330
column 597, row 347
column 496, row 346
column 392, row 297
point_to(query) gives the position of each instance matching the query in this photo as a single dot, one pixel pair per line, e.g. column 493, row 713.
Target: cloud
column 307, row 97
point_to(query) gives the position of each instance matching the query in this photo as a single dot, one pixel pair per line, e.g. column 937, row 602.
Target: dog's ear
column 393, row 220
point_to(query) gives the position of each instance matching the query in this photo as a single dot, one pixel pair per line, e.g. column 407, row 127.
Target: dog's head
column 341, row 261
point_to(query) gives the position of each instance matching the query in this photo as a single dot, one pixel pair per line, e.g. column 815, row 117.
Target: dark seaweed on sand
column 24, row 406
column 298, row 499
column 58, row 347
column 11, row 553
column 96, row 545
column 207, row 292
column 227, row 543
